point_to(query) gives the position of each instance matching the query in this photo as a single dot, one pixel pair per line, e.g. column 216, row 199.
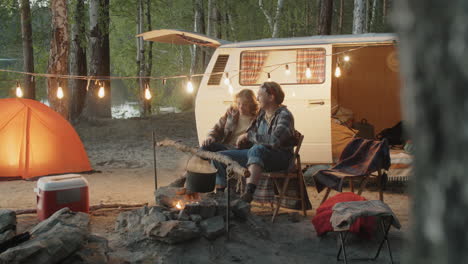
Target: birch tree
column 359, row 17
column 273, row 20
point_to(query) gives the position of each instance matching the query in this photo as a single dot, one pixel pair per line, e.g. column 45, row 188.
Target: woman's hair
column 250, row 97
column 274, row 89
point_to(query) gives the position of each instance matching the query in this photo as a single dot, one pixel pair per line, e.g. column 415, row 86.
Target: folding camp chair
column 361, row 160
column 384, row 216
column 293, row 172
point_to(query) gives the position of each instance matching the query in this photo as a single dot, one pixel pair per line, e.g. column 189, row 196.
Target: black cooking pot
column 201, row 175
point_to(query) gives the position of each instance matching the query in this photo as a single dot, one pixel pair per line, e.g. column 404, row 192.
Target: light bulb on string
column 337, row 71
column 101, row 92
column 226, row 79
column 147, row 93
column 19, row 91
column 269, row 76
column 308, row 72
column 59, row 91
column 287, row 71
column 189, row 85
column 346, row 58
column 231, row 89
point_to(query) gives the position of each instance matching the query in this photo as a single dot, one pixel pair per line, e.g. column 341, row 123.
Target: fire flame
column 178, row 205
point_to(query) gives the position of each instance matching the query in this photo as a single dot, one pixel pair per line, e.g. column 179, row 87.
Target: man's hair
column 248, row 95
column 274, row 89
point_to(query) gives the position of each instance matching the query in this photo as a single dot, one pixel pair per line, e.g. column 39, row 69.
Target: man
column 272, row 136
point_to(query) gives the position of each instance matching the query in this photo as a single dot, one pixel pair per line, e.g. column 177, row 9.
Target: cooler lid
column 61, row 182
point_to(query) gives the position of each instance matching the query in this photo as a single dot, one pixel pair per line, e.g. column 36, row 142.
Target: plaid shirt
column 225, row 127
column 280, row 132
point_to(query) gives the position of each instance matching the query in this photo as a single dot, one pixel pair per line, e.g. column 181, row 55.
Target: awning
column 180, row 37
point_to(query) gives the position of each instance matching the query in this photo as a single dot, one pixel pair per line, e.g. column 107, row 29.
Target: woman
column 235, row 122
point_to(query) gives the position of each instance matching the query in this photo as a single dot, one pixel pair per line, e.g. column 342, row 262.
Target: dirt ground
column 121, row 153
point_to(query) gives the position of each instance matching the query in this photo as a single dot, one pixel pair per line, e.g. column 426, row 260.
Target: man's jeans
column 267, row 158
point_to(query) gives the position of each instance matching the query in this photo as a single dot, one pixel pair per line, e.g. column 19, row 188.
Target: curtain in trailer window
column 315, row 59
column 251, row 66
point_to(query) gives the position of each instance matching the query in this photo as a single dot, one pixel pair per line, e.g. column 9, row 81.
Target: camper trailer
column 320, row 75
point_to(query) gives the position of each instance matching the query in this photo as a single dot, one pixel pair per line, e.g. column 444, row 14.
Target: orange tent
column 35, row 141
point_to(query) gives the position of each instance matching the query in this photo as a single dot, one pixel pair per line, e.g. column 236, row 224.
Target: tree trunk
column 377, row 13
column 325, row 17
column 273, row 21
column 212, row 28
column 99, row 65
column 149, row 61
column 198, row 54
column 145, row 107
column 359, row 17
column 340, row 20
column 28, row 53
column 78, row 64
column 433, row 61
column 58, row 58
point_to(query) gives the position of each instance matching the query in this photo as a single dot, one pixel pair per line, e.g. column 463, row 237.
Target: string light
column 190, row 85
column 101, row 92
column 308, row 72
column 19, row 91
column 226, row 79
column 287, row 71
column 337, row 71
column 59, row 91
column 147, row 93
column 163, row 78
column 269, row 76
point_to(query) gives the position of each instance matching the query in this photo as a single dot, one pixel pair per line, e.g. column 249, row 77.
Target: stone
column 7, row 220
column 183, row 216
column 153, row 216
column 95, row 251
column 173, row 231
column 192, row 208
column 7, row 235
column 167, row 196
column 212, row 227
column 240, row 208
column 221, row 209
column 131, row 220
column 65, row 217
column 196, row 218
column 52, row 244
column 7, row 224
column 207, row 208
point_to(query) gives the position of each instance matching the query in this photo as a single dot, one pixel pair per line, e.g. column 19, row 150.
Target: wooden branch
column 238, row 169
column 91, row 208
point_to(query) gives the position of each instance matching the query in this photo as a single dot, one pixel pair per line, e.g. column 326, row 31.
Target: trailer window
column 291, row 66
column 216, row 73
